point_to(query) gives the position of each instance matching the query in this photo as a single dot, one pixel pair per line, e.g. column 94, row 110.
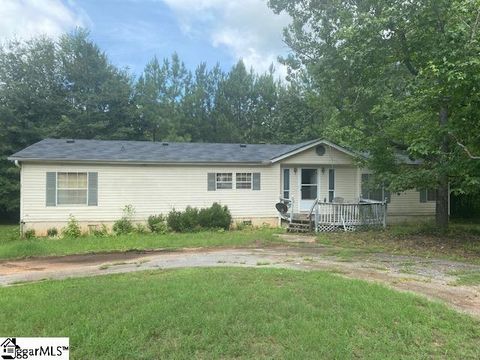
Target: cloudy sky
column 133, row 31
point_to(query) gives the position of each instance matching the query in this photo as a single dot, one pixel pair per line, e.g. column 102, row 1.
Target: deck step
column 303, row 226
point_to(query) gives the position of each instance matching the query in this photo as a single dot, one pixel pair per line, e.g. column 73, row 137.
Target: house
column 93, row 180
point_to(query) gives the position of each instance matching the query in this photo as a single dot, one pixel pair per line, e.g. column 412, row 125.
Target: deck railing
column 348, row 215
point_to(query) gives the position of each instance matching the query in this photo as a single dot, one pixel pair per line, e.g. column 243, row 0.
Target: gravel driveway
column 430, row 277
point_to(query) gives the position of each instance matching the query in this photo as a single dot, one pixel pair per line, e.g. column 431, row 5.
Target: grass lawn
column 12, row 247
column 461, row 242
column 236, row 313
column 467, row 277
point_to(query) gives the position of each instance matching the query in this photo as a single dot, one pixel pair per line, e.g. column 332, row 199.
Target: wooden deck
column 348, row 216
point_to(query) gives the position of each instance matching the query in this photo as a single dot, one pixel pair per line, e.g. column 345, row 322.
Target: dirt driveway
column 433, row 278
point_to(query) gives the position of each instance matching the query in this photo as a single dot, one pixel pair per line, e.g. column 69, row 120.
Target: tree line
column 68, row 88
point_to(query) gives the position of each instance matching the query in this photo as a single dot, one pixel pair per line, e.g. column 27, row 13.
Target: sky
column 132, row 32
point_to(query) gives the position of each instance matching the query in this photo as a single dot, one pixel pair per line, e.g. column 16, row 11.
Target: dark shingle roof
column 151, row 152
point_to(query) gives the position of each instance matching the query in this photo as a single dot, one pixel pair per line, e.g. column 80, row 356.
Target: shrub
column 100, row 232
column 183, row 221
column 52, row 232
column 174, row 220
column 157, row 224
column 189, row 219
column 215, row 217
column 141, row 228
column 125, row 224
column 29, row 234
column 243, row 225
column 192, row 219
column 72, row 230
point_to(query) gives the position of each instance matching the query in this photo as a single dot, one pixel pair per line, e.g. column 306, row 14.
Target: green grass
column 461, row 242
column 469, row 279
column 236, row 313
column 466, row 277
column 9, row 233
column 12, row 247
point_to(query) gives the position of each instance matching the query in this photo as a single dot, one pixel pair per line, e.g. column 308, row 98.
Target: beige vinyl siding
column 150, row 189
column 408, row 203
column 331, row 157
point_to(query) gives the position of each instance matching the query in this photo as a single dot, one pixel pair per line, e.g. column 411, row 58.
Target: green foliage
column 174, row 220
column 215, row 217
column 29, row 234
column 385, row 71
column 157, row 224
column 100, row 232
column 52, row 232
column 141, row 228
column 192, row 219
column 125, row 224
column 72, row 230
column 186, row 221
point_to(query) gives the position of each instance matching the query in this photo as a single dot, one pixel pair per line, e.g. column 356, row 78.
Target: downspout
column 22, row 223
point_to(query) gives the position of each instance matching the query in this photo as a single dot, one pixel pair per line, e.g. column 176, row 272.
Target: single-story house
column 93, row 180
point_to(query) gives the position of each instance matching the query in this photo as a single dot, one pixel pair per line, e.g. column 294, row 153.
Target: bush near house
column 125, row 224
column 157, row 224
column 52, row 232
column 72, row 230
column 29, row 234
column 192, row 219
column 215, row 217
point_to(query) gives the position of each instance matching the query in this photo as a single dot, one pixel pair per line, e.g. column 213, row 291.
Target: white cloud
column 25, row 19
column 248, row 29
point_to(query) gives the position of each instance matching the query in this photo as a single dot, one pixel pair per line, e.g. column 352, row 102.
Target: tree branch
column 475, row 26
column 468, row 152
column 406, row 60
column 470, row 155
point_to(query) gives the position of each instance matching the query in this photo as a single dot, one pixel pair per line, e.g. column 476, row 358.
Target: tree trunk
column 441, row 209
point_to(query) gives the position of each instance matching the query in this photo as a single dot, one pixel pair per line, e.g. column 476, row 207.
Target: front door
column 308, row 188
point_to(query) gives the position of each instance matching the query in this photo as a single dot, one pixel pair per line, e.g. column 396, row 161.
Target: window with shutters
column 224, row 180
column 72, row 188
column 243, row 180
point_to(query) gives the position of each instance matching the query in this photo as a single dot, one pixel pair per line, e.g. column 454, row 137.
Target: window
column 331, row 184
column 72, row 188
column 428, row 195
column 244, row 180
column 371, row 191
column 286, row 183
column 224, row 181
